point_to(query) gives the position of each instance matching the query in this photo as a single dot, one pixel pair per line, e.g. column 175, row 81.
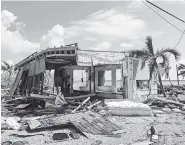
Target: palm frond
column 174, row 52
column 139, row 53
column 3, row 68
column 149, row 45
column 181, row 66
column 182, row 73
column 6, row 64
column 166, row 69
column 143, row 62
column 165, row 60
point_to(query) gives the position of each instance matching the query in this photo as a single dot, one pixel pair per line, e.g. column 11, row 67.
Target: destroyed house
column 65, row 60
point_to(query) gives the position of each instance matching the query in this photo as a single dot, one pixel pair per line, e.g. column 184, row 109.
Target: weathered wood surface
column 86, row 122
column 80, row 97
column 37, row 96
column 168, row 101
column 85, row 101
column 95, row 104
column 16, row 82
column 67, row 98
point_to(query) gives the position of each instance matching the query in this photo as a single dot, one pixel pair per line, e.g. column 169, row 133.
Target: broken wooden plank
column 80, row 97
column 16, row 82
column 168, row 101
column 93, row 123
column 85, row 101
column 67, row 98
column 95, row 104
column 87, row 122
column 37, row 96
column 21, row 106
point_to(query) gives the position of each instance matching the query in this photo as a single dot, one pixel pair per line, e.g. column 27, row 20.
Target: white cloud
column 123, row 44
column 13, row 40
column 54, row 38
column 102, row 46
column 181, row 61
column 108, row 23
column 7, row 18
column 90, row 39
column 10, row 62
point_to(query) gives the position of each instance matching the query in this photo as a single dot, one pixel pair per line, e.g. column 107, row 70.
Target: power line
column 165, row 11
column 163, row 17
column 179, row 40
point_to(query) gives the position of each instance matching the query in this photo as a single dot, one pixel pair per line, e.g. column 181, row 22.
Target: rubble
column 86, row 100
column 84, row 115
column 165, row 105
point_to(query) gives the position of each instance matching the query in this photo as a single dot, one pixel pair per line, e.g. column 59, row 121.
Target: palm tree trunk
column 170, row 81
column 160, row 82
column 177, row 74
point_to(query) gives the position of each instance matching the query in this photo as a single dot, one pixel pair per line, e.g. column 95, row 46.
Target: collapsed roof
column 71, row 55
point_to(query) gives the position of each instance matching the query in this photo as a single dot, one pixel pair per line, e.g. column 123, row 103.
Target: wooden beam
column 85, row 101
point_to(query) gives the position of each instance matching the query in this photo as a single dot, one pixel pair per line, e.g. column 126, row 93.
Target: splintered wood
column 86, row 122
column 95, row 124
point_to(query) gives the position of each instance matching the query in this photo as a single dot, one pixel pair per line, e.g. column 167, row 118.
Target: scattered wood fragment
column 22, row 106
column 23, row 136
column 37, row 96
column 85, row 101
column 168, row 101
column 80, row 97
column 87, row 122
column 95, row 104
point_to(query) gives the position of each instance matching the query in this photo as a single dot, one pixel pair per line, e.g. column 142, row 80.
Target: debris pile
column 36, row 113
column 84, row 115
column 167, row 105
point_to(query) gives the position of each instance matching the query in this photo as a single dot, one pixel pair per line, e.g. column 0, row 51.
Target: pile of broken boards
column 88, row 124
column 165, row 105
column 35, row 115
column 37, row 105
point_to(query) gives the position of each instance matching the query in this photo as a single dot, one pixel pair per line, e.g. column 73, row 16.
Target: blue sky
column 31, row 26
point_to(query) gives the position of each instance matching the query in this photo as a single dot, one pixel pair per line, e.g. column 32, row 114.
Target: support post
column 42, row 83
column 114, row 87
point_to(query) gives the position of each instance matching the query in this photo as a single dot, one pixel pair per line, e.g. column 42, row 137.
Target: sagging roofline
column 67, row 50
column 49, row 52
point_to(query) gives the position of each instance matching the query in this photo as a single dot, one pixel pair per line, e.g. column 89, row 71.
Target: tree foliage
column 181, row 70
column 154, row 60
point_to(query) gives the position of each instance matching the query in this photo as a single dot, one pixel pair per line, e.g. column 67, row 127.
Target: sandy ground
column 170, row 127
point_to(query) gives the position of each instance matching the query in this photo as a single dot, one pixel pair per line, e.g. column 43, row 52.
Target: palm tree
column 181, row 69
column 166, row 71
column 149, row 57
column 7, row 67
